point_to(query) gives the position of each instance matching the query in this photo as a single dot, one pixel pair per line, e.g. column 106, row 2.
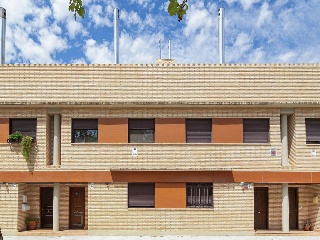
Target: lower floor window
column 141, row 195
column 199, row 195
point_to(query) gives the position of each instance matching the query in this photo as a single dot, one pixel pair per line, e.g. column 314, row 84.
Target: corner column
column 56, row 139
column 284, row 140
column 56, row 206
column 285, row 207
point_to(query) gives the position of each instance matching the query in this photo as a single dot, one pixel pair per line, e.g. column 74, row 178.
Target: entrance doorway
column 46, row 196
column 260, row 208
column 293, row 208
column 77, row 208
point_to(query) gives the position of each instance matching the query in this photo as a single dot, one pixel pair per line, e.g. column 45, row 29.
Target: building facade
column 161, row 148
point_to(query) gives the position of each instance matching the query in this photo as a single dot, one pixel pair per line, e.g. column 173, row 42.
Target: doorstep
column 49, row 232
column 291, row 233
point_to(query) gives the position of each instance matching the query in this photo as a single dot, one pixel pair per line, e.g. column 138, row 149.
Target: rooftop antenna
column 116, row 12
column 221, row 35
column 159, row 48
column 169, row 48
column 3, row 18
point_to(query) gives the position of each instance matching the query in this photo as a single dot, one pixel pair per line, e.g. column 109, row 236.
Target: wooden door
column 260, row 208
column 293, row 208
column 46, row 199
column 77, row 207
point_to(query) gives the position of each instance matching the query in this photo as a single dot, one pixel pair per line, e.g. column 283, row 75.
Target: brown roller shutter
column 4, row 129
column 141, row 195
column 312, row 130
column 170, row 195
column 170, row 130
column 227, row 130
column 113, row 130
column 256, row 130
column 199, row 130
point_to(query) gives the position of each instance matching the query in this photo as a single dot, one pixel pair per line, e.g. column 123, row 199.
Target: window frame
column 313, row 123
column 141, row 124
column 249, row 139
column 206, row 195
column 133, row 197
column 192, row 135
column 91, row 125
column 32, row 133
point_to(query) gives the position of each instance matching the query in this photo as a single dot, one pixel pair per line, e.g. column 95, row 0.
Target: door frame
column 41, row 206
column 295, row 189
column 84, row 207
column 266, row 189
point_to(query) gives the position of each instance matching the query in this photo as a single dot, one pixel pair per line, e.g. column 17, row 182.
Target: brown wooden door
column 260, row 208
column 293, row 208
column 46, row 196
column 77, row 207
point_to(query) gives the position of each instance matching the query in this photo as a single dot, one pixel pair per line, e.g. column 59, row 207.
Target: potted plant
column 15, row 137
column 307, row 225
column 32, row 223
column 26, row 144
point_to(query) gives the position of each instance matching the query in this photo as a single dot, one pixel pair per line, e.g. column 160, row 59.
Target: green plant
column 15, row 137
column 30, row 219
column 26, row 147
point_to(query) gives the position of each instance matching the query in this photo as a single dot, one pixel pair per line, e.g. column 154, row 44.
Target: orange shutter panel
column 4, row 129
column 170, row 130
column 170, row 195
column 227, row 130
column 113, row 130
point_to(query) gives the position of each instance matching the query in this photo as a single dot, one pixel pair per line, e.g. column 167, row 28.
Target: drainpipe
column 3, row 17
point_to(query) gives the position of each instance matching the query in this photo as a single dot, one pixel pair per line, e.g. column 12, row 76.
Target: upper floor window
column 84, row 130
column 27, row 126
column 312, row 130
column 141, row 130
column 141, row 194
column 200, row 195
column 256, row 130
column 199, row 130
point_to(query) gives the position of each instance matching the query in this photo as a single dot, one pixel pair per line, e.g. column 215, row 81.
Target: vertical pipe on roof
column 221, row 35
column 159, row 48
column 3, row 18
column 169, row 48
column 116, row 34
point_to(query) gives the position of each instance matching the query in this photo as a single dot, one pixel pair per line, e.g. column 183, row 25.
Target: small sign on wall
column 134, row 151
column 273, row 152
column 313, row 153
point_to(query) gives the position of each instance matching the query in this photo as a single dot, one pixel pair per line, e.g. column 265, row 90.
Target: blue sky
column 256, row 31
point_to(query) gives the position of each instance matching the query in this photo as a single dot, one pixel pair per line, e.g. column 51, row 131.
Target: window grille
column 200, row 195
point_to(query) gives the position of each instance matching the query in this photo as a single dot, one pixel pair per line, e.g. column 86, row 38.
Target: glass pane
column 79, row 135
column 91, row 136
column 141, row 136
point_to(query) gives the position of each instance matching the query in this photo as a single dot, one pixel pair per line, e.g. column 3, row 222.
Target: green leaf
column 175, row 8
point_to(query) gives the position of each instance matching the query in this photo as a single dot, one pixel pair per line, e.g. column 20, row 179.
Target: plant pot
column 307, row 228
column 32, row 225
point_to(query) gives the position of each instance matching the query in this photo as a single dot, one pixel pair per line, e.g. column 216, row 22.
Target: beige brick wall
column 292, row 140
column 204, row 84
column 304, row 160
column 232, row 211
column 8, row 208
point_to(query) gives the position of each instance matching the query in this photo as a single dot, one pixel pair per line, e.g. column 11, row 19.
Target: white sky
column 256, row 31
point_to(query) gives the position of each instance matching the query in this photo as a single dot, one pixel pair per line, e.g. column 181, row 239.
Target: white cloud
column 100, row 16
column 98, row 53
column 130, row 18
column 246, row 4
column 61, row 10
column 286, row 57
column 197, row 18
column 265, row 14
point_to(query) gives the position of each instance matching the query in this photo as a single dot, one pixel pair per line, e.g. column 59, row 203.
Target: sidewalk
column 162, row 238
